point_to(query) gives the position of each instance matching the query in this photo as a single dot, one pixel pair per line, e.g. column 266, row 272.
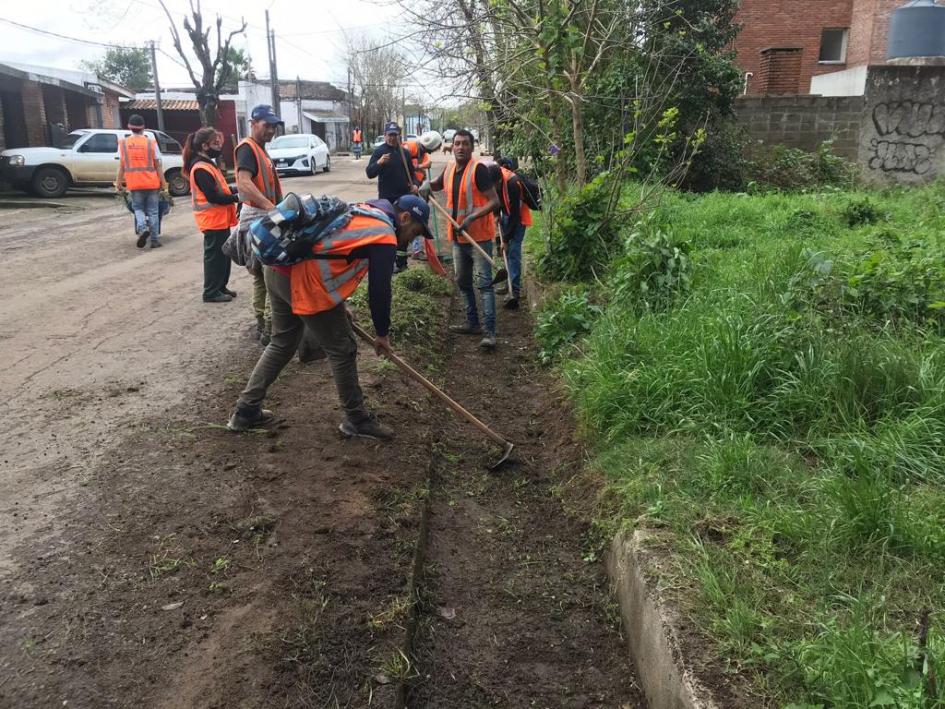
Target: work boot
column 467, row 329
column 246, row 418
column 155, row 244
column 218, row 298
column 368, row 427
column 488, row 341
column 227, row 291
column 143, row 238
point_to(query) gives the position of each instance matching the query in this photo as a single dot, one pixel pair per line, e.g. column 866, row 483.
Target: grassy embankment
column 772, row 395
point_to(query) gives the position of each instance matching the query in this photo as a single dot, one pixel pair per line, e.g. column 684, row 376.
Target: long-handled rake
column 507, row 446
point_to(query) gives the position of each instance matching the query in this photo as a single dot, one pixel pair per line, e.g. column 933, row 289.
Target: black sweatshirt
column 209, row 186
column 392, row 183
column 514, row 207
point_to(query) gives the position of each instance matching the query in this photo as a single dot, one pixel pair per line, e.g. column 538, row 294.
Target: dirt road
column 151, row 559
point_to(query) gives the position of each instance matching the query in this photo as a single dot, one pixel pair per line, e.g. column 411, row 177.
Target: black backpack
column 531, row 192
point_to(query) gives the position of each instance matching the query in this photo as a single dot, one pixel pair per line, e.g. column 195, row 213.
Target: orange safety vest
column 470, row 199
column 266, row 178
column 413, row 147
column 525, row 214
column 356, row 137
column 137, row 153
column 209, row 216
column 329, row 279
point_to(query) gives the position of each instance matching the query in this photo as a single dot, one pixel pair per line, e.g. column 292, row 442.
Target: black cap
column 135, row 121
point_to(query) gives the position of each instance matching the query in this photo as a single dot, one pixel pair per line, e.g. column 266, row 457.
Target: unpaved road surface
column 151, row 559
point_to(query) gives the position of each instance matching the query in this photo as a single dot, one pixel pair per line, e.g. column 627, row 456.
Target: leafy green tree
column 130, row 68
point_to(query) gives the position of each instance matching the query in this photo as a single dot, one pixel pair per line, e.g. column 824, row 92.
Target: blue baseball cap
column 391, row 127
column 419, row 210
column 264, row 112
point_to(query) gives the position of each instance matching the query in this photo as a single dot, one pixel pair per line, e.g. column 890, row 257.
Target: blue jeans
column 466, row 259
column 515, row 255
column 147, row 205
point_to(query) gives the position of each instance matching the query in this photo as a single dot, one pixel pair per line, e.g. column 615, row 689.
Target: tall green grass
column 790, row 433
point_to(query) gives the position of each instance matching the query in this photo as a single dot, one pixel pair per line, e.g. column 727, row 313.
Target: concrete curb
column 651, row 630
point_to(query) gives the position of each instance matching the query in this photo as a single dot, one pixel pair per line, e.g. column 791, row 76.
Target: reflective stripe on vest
column 139, row 163
column 483, row 229
column 320, row 284
column 128, row 162
column 210, row 216
column 265, row 178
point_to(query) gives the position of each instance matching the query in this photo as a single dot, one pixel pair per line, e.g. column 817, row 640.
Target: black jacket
column 392, row 183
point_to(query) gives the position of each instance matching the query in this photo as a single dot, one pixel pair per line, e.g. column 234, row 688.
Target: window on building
column 833, row 46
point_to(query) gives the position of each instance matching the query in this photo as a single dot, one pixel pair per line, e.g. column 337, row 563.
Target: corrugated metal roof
column 149, row 104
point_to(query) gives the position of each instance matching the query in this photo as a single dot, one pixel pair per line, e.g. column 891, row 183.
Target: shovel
column 502, row 273
column 507, row 446
column 512, row 302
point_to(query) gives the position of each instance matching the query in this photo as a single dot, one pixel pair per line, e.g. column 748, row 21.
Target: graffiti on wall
column 909, row 133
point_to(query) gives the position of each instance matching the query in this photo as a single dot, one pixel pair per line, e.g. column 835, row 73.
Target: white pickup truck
column 86, row 158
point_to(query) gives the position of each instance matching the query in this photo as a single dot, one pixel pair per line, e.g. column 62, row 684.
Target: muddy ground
column 152, row 559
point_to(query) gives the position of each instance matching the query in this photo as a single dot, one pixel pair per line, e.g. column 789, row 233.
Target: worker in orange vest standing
column 140, row 172
column 260, row 190
column 516, row 217
column 311, row 297
column 214, row 210
column 471, row 199
column 357, row 138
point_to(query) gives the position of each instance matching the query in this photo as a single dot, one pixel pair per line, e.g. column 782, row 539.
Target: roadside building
column 182, row 116
column 38, row 105
column 315, row 107
column 811, row 46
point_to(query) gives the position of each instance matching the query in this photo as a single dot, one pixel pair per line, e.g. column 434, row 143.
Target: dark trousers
column 216, row 264
column 329, row 331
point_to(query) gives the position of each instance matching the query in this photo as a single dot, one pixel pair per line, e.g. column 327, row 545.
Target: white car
column 302, row 153
column 86, row 158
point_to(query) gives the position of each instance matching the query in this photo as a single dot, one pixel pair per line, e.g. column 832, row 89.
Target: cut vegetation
column 763, row 378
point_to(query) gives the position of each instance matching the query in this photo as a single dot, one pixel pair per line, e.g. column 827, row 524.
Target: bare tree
column 377, row 73
column 216, row 67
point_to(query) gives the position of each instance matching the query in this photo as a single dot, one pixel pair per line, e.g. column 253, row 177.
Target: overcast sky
column 310, row 33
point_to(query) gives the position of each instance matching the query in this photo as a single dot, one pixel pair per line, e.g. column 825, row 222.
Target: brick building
column 784, row 44
column 38, row 104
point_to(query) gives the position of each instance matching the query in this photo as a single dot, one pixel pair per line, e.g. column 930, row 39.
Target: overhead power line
column 66, row 37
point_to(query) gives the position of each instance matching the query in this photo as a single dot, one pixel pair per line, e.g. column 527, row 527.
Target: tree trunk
column 577, row 125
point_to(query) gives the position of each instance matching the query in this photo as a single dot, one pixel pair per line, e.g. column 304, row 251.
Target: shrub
column 899, row 279
column 582, row 236
column 794, row 169
column 653, row 269
column 861, row 211
column 563, row 321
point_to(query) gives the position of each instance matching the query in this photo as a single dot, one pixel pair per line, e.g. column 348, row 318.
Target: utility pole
column 157, row 89
column 350, row 107
column 298, row 100
column 273, row 73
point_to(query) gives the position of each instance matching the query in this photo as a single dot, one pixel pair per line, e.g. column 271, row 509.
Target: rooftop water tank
column 917, row 29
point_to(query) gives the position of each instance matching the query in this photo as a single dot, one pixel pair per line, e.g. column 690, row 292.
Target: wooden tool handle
column 466, row 236
column 433, row 389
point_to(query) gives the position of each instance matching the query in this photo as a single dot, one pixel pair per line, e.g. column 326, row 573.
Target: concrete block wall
column 803, row 121
column 902, row 136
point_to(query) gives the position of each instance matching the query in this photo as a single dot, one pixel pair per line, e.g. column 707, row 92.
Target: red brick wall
column 869, row 31
column 780, row 72
column 34, row 109
column 788, row 24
